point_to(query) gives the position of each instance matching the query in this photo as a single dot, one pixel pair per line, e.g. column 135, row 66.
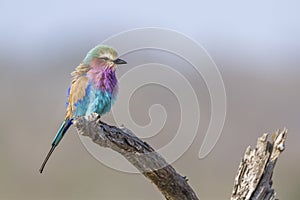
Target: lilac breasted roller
column 93, row 89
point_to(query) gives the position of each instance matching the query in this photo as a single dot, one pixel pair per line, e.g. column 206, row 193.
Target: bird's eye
column 105, row 58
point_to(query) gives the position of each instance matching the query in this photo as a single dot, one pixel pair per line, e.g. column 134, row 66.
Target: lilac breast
column 104, row 79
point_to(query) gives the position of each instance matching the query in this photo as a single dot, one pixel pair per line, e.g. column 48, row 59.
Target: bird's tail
column 59, row 135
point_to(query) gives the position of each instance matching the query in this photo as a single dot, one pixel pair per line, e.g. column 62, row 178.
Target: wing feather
column 78, row 88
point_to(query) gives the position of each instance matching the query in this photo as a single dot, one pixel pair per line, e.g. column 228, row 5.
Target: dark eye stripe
column 105, row 58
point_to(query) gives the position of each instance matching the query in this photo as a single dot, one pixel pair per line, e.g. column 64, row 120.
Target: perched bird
column 93, row 89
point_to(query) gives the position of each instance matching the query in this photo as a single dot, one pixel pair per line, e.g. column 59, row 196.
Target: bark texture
column 254, row 177
column 153, row 166
column 253, row 180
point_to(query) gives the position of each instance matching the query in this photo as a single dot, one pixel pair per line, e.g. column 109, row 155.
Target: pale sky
column 266, row 29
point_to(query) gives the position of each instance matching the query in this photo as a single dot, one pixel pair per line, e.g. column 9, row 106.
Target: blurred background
column 254, row 44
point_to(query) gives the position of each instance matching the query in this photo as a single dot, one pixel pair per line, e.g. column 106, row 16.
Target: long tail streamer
column 59, row 135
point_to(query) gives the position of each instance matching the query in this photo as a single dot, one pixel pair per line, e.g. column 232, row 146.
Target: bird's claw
column 96, row 117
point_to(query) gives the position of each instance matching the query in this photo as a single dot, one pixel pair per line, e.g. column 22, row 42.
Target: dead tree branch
column 172, row 185
column 253, row 180
column 254, row 177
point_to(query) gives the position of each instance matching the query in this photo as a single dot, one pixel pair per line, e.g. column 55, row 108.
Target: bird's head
column 102, row 55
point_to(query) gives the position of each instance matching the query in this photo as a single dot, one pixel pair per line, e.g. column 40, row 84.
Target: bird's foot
column 96, row 117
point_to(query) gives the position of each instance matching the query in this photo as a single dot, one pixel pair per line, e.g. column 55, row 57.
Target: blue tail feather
column 59, row 135
column 61, row 132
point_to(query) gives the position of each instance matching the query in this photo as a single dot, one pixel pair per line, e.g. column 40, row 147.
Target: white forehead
column 108, row 52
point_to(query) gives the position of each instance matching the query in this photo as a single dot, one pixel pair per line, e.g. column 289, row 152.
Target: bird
column 93, row 89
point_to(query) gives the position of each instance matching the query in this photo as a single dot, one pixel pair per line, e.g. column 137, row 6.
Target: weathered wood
column 253, row 180
column 254, row 177
column 153, row 166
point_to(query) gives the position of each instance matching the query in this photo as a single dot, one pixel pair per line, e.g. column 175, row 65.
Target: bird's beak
column 119, row 61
